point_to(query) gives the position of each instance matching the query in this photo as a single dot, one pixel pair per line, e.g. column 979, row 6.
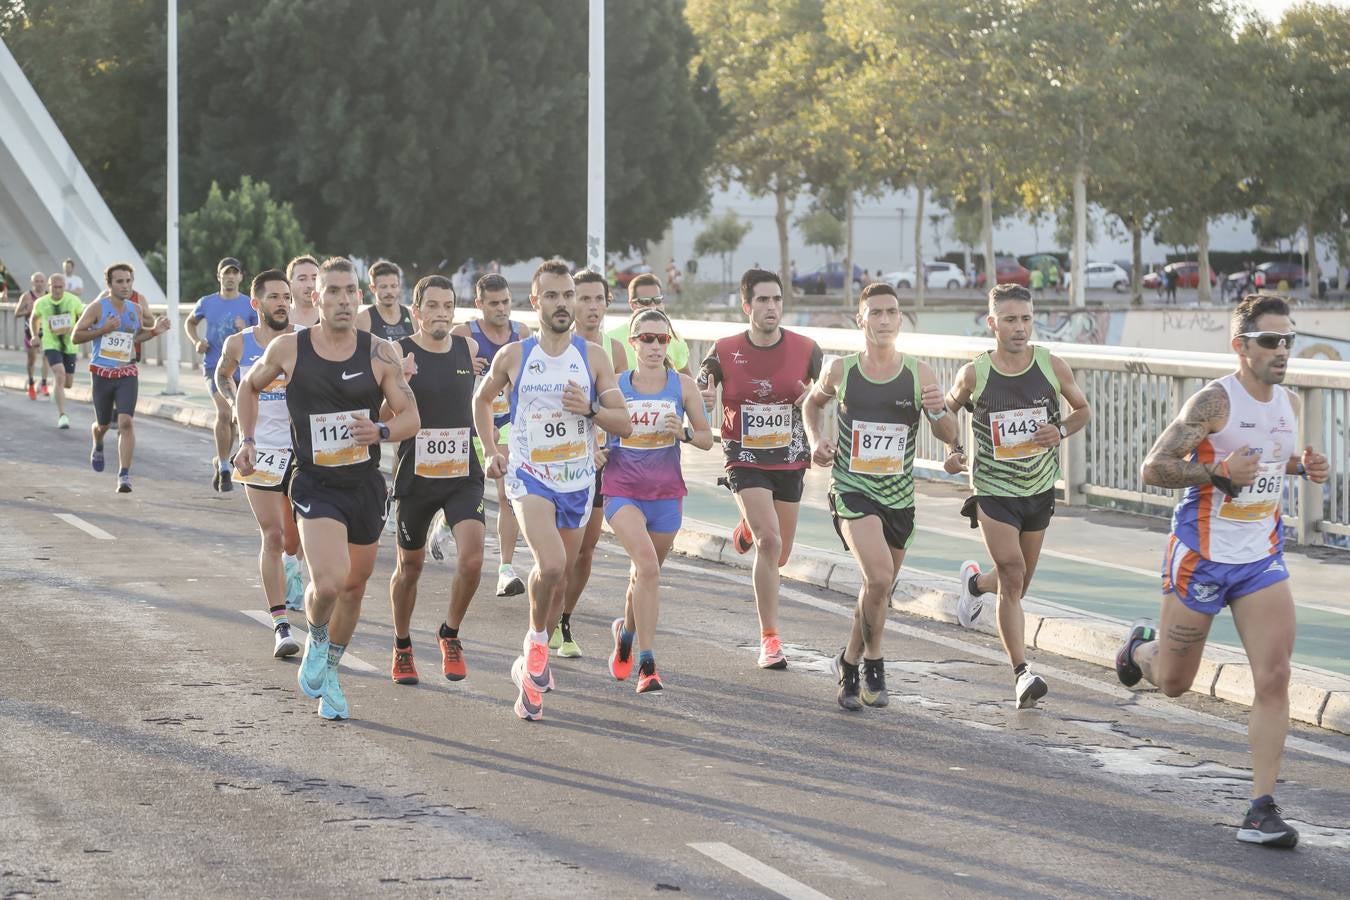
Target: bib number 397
column 1013, row 432
column 766, row 426
column 331, row 439
column 443, row 452
column 116, row 345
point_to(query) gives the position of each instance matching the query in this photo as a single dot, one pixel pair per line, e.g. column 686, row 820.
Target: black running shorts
column 362, row 506
column 110, row 393
column 786, row 484
column 1023, row 513
column 462, row 498
column 896, row 524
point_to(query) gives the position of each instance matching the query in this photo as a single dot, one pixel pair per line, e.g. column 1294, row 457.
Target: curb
column 1315, row 698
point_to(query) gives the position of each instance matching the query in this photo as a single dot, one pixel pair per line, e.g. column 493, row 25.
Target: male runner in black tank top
column 336, row 379
column 437, row 470
column 386, row 317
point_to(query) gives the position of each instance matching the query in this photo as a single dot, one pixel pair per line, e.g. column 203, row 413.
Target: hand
column 1316, row 466
column 409, row 367
column 496, row 466
column 363, row 430
column 239, row 323
column 162, row 325
column 1047, row 435
column 823, row 455
column 803, row 391
column 246, row 457
column 576, row 399
column 673, row 424
column 111, row 325
column 1243, row 464
column 709, row 395
column 932, row 399
column 480, row 365
column 201, row 346
column 955, row 463
column 601, row 457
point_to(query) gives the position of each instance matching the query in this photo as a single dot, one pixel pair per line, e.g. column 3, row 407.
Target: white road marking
column 92, row 530
column 349, row 660
column 758, row 872
column 974, row 535
column 1163, row 709
column 1303, row 604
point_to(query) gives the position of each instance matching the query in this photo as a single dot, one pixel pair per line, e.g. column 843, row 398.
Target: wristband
column 1300, row 469
column 249, row 440
column 688, row 437
column 1219, row 478
column 936, row 416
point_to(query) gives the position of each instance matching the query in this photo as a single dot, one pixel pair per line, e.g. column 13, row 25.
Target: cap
column 228, row 263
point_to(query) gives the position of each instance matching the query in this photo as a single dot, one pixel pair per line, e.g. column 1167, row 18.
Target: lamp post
column 595, row 139
column 172, row 340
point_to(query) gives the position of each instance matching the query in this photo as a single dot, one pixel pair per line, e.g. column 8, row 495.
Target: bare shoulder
column 1061, row 369
column 1295, row 400
column 462, row 330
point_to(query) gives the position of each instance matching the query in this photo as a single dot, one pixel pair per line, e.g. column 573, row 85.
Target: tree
column 820, row 228
column 722, row 237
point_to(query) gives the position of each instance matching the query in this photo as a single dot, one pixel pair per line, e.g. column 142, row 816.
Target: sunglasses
column 650, row 301
column 1271, row 340
column 648, row 337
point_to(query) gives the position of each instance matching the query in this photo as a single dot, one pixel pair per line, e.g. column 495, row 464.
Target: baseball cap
column 227, row 263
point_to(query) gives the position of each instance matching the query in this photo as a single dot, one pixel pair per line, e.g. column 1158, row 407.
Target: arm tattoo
column 384, row 351
column 225, row 384
column 1166, row 465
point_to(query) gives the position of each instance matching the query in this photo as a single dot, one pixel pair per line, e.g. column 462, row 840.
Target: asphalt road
column 150, row 745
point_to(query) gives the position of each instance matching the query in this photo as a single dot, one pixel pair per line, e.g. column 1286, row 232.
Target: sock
column 44, row 382
column 224, row 465
column 335, row 652
column 448, row 632
column 646, row 656
column 289, row 558
column 625, row 639
column 648, row 665
column 1019, row 669
column 121, row 473
column 504, row 567
column 30, row 381
column 1263, row 800
column 278, row 615
column 403, row 643
column 566, row 620
column 535, row 637
column 874, row 663
column 768, row 632
column 974, row 584
column 318, row 633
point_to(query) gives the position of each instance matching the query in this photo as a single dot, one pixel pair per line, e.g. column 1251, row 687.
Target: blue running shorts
column 663, row 516
column 572, row 508
column 1207, row 586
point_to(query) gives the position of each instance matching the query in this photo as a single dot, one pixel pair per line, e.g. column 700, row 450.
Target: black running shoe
column 215, row 479
column 873, row 691
column 1264, row 825
column 1141, row 632
column 850, row 684
column 226, row 482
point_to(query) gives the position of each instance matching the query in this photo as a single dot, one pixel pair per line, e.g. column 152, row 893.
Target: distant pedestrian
column 74, row 283
column 1038, row 282
column 1172, row 279
column 1054, row 277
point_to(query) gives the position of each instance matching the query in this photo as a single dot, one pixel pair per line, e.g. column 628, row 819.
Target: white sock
column 535, row 637
column 288, row 557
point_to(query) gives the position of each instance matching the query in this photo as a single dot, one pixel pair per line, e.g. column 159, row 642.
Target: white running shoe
column 285, row 644
column 508, row 582
column 1030, row 688
column 440, row 536
column 968, row 605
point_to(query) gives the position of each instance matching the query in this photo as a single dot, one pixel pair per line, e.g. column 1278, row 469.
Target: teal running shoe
column 314, row 667
column 295, row 586
column 333, row 703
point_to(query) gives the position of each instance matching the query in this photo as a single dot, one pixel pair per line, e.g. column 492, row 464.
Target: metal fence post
column 1312, row 432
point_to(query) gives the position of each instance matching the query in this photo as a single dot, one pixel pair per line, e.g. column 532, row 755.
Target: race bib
column 117, row 346
column 501, row 404
column 556, row 436
column 648, row 431
column 442, row 452
column 331, row 440
column 59, row 324
column 766, row 426
column 878, row 448
column 1012, row 431
column 269, row 467
column 1260, row 499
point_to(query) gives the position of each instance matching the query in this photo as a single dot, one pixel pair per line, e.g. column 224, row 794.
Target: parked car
column 1008, row 271
column 1188, row 275
column 633, row 271
column 1275, row 272
column 1102, row 276
column 937, row 274
column 829, row 277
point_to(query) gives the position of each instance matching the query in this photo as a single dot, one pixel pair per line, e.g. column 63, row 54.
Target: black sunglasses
column 650, row 301
column 1271, row 340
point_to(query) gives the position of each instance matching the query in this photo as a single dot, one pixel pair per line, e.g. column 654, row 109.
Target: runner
column 37, row 287
column 225, row 313
column 267, row 486
column 53, row 321
column 386, row 317
column 644, row 488
column 644, row 292
column 74, row 283
column 765, row 374
column 1231, row 448
column 113, row 323
column 302, row 272
column 1013, row 393
column 336, row 377
column 562, row 389
column 882, row 395
column 437, row 471
column 490, row 333
column 593, row 298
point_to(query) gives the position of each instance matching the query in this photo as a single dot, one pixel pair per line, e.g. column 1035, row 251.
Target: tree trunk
column 1078, row 265
column 987, row 229
column 848, row 248
column 1204, row 295
column 1312, row 271
column 1136, row 263
column 780, row 218
column 1342, row 257
column 920, row 283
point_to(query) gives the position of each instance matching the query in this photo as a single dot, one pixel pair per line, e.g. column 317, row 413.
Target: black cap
column 229, row 262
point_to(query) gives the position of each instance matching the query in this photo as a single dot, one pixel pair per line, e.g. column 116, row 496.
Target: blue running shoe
column 96, row 460
column 313, row 668
column 333, row 703
column 295, row 587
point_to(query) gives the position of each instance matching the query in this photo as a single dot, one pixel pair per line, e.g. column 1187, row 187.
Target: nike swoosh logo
column 348, row 376
column 303, row 509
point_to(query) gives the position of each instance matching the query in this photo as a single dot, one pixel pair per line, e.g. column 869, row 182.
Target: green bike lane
column 1094, row 561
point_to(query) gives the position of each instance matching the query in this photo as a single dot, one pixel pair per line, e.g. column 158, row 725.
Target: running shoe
column 313, row 667
column 215, row 476
column 32, row 390
column 621, row 659
column 96, row 459
column 569, row 648
column 537, row 670
column 530, row 703
column 452, row 659
column 333, row 702
column 1264, row 825
column 555, row 639
column 124, row 484
column 285, row 645
column 440, row 536
column 873, row 691
column 849, row 695
column 508, row 583
column 648, row 681
column 971, row 603
column 227, row 484
column 295, row 586
column 1030, row 688
column 741, row 538
column 1141, row 632
column 63, row 422
column 45, row 392
column 403, row 671
column 771, row 653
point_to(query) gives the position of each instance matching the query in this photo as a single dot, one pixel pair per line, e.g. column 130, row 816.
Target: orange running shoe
column 452, row 659
column 45, row 392
column 771, row 653
column 537, row 671
column 742, row 539
column 648, row 680
column 620, row 661
column 32, row 390
column 404, row 672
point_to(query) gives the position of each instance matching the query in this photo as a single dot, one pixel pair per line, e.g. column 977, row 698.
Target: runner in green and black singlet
column 1007, row 410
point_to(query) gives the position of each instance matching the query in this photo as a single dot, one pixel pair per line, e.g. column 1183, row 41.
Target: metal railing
column 153, row 352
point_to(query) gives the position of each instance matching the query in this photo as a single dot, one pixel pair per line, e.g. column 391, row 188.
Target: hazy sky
column 1273, row 9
